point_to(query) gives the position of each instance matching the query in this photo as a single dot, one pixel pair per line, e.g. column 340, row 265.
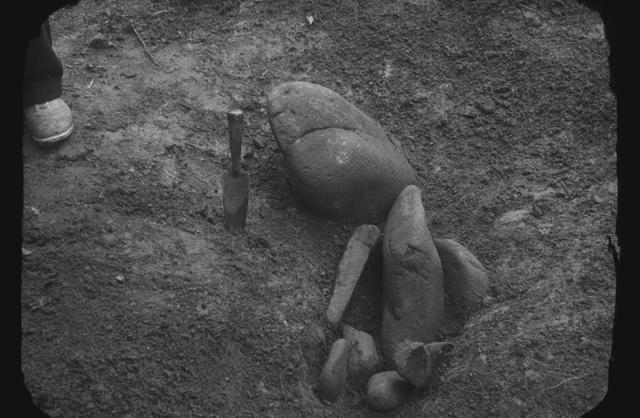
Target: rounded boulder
column 341, row 163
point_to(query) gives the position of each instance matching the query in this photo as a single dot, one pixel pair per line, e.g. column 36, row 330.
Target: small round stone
column 387, row 390
column 340, row 162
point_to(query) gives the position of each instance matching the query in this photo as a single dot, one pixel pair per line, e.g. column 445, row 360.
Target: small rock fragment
column 465, row 278
column 532, row 18
column 258, row 143
column 334, row 372
column 349, row 270
column 364, row 360
column 545, row 355
column 387, row 390
column 413, row 294
column 99, row 42
column 418, row 362
column 532, row 375
column 514, row 216
column 120, row 278
column 203, row 308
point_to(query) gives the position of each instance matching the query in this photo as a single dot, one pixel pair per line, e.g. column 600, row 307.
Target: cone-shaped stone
column 413, row 295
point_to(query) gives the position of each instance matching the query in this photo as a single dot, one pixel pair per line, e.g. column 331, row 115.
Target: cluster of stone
column 342, row 164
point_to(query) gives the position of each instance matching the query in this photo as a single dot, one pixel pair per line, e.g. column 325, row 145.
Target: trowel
column 235, row 183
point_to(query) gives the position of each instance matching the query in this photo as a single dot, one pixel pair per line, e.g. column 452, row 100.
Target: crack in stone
column 359, row 132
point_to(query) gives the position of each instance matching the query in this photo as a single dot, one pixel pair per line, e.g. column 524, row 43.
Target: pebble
column 99, row 42
column 387, row 390
column 413, row 294
column 334, row 372
column 364, row 359
column 340, row 162
column 532, row 19
column 465, row 278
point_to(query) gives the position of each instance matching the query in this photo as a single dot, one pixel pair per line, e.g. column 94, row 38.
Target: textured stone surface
column 364, row 359
column 334, row 372
column 350, row 268
column 341, row 162
column 413, row 295
column 418, row 362
column 387, row 390
column 465, row 278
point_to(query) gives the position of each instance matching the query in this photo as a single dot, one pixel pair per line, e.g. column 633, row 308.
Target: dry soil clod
column 387, row 390
column 334, row 372
column 353, row 260
column 364, row 359
column 418, row 362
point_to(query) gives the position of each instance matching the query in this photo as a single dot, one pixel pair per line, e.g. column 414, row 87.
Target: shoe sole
column 52, row 140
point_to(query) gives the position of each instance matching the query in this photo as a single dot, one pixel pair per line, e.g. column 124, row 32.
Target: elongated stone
column 351, row 265
column 364, row 360
column 334, row 372
column 465, row 278
column 413, row 295
column 341, row 163
column 387, row 390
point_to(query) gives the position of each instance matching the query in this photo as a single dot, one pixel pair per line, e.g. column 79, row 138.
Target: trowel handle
column 236, row 121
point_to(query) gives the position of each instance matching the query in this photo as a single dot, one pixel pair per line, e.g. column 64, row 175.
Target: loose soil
column 137, row 302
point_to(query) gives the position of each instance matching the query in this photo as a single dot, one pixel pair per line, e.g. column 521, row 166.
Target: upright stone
column 413, row 296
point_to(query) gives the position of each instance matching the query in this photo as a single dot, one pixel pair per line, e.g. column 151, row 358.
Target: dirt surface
column 137, row 302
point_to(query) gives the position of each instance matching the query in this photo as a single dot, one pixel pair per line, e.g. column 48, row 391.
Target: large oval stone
column 341, row 163
column 413, row 295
